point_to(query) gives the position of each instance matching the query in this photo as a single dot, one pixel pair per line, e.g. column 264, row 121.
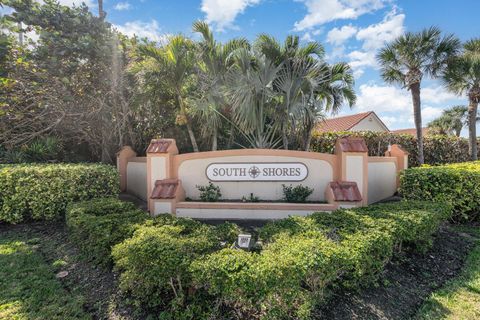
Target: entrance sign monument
column 166, row 179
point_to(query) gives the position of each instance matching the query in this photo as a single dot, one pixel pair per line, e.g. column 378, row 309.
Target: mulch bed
column 407, row 281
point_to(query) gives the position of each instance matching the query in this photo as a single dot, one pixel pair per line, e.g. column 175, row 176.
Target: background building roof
column 346, row 123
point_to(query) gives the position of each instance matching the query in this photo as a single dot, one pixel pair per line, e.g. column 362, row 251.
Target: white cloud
column 307, row 37
column 222, row 13
column 383, row 98
column 429, row 113
column 337, row 36
column 323, row 11
column 437, row 95
column 123, row 6
column 394, row 105
column 142, row 29
column 373, row 38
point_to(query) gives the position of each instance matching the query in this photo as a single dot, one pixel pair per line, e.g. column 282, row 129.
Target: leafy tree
column 408, row 58
column 77, row 67
column 463, row 77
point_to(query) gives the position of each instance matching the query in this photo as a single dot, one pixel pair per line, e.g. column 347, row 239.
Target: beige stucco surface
column 158, row 169
column 137, row 179
column 382, row 180
column 192, row 173
column 162, row 207
column 370, row 123
column 240, row 213
column 354, row 170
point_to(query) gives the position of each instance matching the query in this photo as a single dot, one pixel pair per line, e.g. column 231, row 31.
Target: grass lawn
column 29, row 288
column 460, row 298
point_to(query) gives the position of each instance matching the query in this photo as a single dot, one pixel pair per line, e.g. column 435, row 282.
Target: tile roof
column 165, row 189
column 342, row 123
column 411, row 131
column 352, row 144
column 159, row 146
column 345, row 191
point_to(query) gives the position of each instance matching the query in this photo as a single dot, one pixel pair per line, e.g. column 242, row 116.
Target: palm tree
column 411, row 56
column 249, row 90
column 213, row 65
column 290, row 49
column 177, row 60
column 451, row 121
column 295, row 87
column 463, row 77
column 332, row 85
column 291, row 58
column 333, row 93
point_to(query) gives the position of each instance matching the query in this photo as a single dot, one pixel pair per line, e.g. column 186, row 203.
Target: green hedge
column 438, row 149
column 43, row 191
column 154, row 263
column 456, row 184
column 180, row 268
column 306, row 257
column 96, row 225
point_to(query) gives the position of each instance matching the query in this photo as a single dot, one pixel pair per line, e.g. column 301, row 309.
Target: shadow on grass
column 29, row 289
column 459, row 298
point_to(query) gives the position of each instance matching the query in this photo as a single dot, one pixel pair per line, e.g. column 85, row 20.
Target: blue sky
column 350, row 30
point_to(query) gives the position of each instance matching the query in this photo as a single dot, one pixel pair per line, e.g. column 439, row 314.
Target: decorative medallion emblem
column 254, row 172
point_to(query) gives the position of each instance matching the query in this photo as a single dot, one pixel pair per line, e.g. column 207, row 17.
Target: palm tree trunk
column 215, row 139
column 192, row 135
column 306, row 147
column 285, row 137
column 417, row 115
column 101, row 13
column 472, row 129
column 187, row 122
column 231, row 137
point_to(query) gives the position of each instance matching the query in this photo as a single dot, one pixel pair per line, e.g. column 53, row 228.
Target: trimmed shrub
column 154, row 263
column 43, row 191
column 455, row 184
column 98, row 224
column 438, row 149
column 306, row 257
column 285, row 281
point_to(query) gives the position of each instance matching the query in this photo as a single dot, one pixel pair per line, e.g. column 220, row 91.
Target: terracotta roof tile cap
column 345, row 191
column 165, row 189
column 159, row 146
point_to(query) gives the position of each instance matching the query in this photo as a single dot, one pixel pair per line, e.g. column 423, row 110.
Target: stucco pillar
column 160, row 154
column 398, row 152
column 123, row 157
column 352, row 155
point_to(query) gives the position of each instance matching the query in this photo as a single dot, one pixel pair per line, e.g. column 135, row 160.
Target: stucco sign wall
column 258, row 171
column 170, row 181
